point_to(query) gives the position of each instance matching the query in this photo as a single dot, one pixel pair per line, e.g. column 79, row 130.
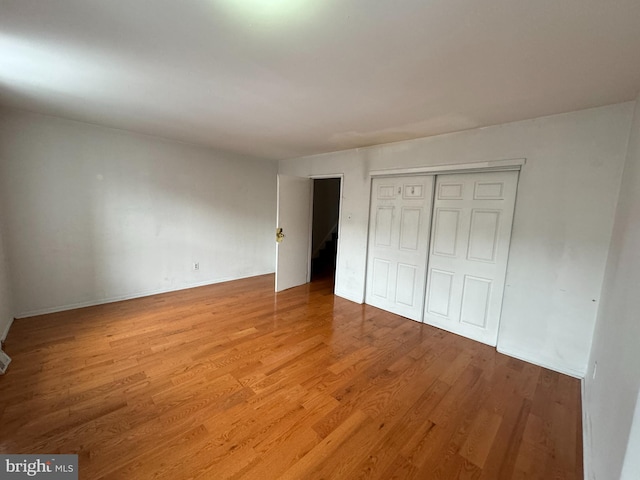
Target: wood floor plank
column 500, row 462
column 235, row 381
column 480, row 440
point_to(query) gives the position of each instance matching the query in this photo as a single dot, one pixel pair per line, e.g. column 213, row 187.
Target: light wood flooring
column 234, row 381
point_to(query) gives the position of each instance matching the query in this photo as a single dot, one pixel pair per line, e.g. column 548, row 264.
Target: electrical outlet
column 196, row 266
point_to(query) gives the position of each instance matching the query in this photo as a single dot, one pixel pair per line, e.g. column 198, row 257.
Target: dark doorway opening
column 324, row 231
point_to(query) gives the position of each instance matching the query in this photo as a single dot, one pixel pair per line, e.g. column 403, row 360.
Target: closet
column 438, row 249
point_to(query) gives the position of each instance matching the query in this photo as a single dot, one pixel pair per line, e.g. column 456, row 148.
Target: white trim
column 566, row 371
column 310, row 246
column 119, row 298
column 3, row 337
column 326, row 175
column 491, row 165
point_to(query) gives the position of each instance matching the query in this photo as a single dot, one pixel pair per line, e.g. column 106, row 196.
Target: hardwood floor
column 234, row 381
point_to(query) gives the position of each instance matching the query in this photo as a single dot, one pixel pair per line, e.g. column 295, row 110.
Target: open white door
column 294, row 218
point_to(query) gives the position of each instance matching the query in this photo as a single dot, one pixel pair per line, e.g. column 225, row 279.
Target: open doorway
column 324, row 230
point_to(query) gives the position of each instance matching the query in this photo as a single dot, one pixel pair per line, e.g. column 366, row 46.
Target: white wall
column 562, row 227
column 95, row 214
column 6, row 300
column 610, row 398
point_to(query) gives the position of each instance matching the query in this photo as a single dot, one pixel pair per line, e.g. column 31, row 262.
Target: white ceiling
column 285, row 78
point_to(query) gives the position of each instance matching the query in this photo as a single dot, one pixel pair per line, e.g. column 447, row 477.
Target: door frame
column 475, row 167
column 339, row 176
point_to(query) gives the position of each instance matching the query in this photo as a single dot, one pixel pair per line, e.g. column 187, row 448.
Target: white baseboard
column 119, row 298
column 5, row 332
column 541, row 363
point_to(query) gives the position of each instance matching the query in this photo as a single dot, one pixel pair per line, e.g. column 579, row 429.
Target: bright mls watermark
column 50, row 467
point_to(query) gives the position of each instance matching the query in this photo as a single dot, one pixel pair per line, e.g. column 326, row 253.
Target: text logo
column 49, row 467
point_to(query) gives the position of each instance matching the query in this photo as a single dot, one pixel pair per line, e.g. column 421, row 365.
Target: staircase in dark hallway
column 323, row 264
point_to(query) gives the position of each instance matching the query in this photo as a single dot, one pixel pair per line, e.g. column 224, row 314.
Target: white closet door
column 398, row 244
column 471, row 231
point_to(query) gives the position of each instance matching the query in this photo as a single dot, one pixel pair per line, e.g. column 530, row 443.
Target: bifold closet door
column 399, row 225
column 471, row 232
